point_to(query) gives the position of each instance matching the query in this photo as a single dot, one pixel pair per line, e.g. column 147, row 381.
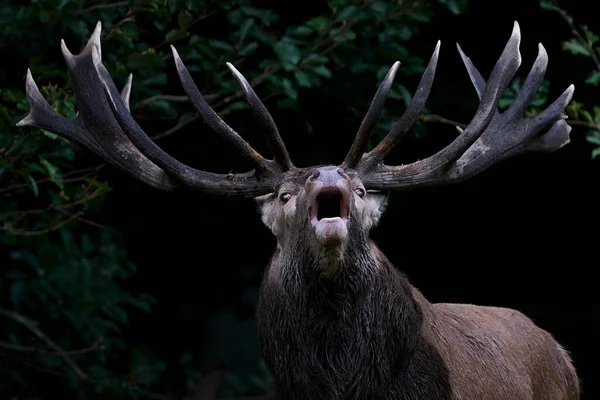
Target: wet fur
column 350, row 326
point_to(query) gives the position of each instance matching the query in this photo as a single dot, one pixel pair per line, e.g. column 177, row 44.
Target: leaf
column 142, row 304
column 267, row 17
column 51, row 169
column 98, row 184
column 221, row 45
column 586, row 115
column 44, row 16
column 455, row 6
column 175, row 35
column 575, row 47
column 593, row 137
column 406, row 94
column 596, row 110
column 302, row 31
column 245, row 29
column 302, row 78
column 346, row 13
column 184, row 19
column 17, row 292
column 346, row 37
column 33, row 184
column 379, row 7
column 593, row 78
column 162, row 107
column 590, row 36
column 146, row 59
column 115, row 312
column 50, row 134
column 420, row 15
column 249, row 49
column 547, row 5
column 53, row 172
column 289, row 89
column 323, row 71
column 288, row 53
column 318, row 23
column 157, row 78
column 596, row 152
column 238, row 105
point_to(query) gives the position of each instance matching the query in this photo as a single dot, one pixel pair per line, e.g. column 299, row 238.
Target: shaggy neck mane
column 353, row 334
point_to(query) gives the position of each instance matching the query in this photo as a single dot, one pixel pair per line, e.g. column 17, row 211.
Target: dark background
column 522, row 234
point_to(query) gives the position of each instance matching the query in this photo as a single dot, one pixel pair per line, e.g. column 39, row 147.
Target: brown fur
column 497, row 353
column 341, row 322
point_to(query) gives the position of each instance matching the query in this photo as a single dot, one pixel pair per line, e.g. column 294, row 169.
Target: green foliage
column 535, row 105
column 585, row 43
column 60, row 281
column 63, row 305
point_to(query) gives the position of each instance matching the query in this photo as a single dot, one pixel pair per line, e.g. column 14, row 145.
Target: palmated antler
column 105, row 126
column 490, row 136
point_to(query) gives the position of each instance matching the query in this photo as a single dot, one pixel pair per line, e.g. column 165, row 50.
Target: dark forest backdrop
column 109, row 289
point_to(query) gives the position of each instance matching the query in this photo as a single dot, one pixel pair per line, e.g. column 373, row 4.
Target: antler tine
column 370, row 120
column 126, row 91
column 524, row 132
column 94, row 120
column 276, row 144
column 501, row 75
column 504, row 134
column 213, row 120
column 97, row 128
column 376, row 156
column 191, row 177
column 41, row 115
column 476, row 78
column 530, row 86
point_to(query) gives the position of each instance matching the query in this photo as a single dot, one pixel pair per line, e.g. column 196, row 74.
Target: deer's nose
column 328, row 176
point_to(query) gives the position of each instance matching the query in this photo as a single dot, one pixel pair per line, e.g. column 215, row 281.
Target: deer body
column 335, row 318
column 338, row 321
column 412, row 350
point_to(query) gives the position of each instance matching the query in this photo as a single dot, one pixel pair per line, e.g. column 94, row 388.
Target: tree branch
column 158, row 97
column 585, row 124
column 93, row 195
column 54, row 227
column 254, row 83
column 87, row 173
column 31, row 326
column 29, row 349
column 440, row 119
column 577, row 34
column 102, row 6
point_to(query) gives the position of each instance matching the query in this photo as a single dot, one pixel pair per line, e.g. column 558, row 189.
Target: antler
column 490, row 136
column 105, row 126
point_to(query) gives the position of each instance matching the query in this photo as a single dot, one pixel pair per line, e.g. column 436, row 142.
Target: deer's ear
column 376, row 203
column 266, row 208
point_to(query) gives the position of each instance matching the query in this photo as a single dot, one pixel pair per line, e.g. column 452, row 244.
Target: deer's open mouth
column 329, row 211
column 328, row 205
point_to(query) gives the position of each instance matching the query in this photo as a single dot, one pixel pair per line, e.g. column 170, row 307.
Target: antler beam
column 490, row 136
column 105, row 126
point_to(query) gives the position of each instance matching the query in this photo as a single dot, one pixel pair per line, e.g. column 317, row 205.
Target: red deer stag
column 336, row 319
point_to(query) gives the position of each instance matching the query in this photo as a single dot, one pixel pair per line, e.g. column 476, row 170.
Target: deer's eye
column 285, row 197
column 360, row 192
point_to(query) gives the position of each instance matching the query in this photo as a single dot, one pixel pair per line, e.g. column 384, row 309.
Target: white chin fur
column 331, row 231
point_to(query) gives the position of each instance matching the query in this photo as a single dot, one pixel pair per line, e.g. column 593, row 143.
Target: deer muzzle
column 329, row 194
